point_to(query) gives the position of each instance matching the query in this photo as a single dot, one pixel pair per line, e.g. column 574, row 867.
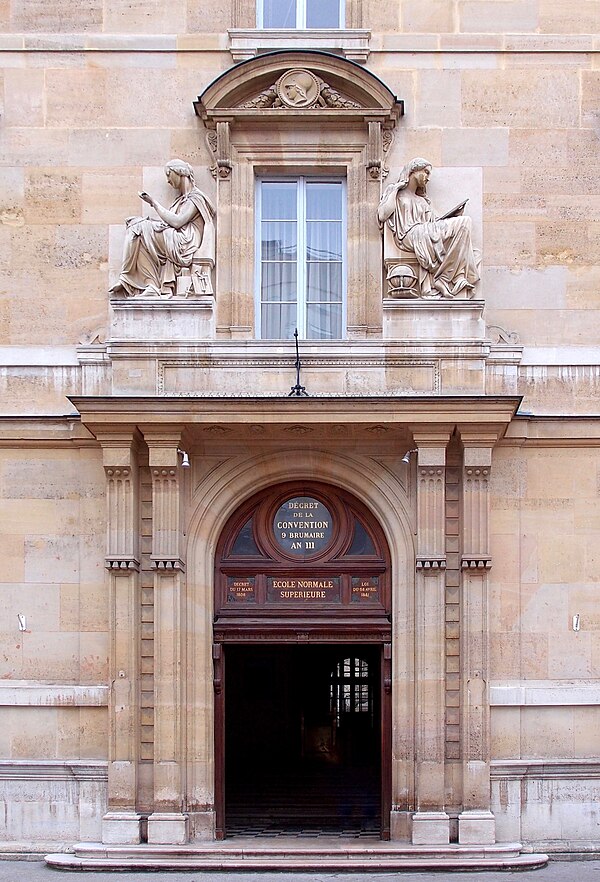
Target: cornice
column 391, row 411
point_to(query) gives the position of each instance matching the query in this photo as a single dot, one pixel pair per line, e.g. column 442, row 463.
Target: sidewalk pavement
column 555, row 871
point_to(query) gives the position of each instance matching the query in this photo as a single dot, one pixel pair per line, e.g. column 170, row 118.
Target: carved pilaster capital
column 431, row 473
column 167, row 499
column 114, row 473
column 478, row 474
column 119, row 454
column 476, row 505
column 169, row 475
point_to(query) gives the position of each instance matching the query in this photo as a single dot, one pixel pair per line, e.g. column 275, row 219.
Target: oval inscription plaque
column 302, row 526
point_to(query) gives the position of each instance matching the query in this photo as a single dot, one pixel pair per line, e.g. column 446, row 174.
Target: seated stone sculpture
column 173, row 255
column 425, row 256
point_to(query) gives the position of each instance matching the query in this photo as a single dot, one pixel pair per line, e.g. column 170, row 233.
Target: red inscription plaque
column 284, row 590
column 240, row 590
column 365, row 588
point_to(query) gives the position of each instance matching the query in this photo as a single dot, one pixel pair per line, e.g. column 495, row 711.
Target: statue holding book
column 425, row 255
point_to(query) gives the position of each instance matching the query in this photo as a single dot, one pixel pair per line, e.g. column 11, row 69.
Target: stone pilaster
column 167, row 824
column 121, row 824
column 430, row 823
column 476, row 823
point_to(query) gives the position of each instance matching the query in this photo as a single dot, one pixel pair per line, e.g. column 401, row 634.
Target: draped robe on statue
column 155, row 253
column 442, row 247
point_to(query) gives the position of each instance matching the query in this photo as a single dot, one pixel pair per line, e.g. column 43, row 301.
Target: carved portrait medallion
column 298, row 88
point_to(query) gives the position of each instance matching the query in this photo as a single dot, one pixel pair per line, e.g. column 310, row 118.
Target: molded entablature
column 353, row 93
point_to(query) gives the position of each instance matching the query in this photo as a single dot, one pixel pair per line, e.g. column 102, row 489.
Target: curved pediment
column 313, row 84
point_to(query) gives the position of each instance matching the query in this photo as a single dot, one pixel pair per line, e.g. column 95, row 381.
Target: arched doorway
column 302, row 665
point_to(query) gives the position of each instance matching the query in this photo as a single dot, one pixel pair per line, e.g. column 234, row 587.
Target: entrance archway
column 302, row 657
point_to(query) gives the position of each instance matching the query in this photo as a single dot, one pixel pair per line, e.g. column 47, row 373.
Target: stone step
column 289, row 853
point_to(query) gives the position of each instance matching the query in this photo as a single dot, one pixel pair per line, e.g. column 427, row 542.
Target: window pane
column 278, row 321
column 324, row 282
column 279, row 240
column 244, row 543
column 279, row 200
column 278, row 282
column 324, row 201
column 322, row 13
column 324, row 321
column 324, row 240
column 361, row 544
column 279, row 14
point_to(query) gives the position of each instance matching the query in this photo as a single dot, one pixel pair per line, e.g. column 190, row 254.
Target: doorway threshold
column 297, row 853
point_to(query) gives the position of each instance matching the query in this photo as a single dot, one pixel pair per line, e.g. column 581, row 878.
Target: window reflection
column 351, row 691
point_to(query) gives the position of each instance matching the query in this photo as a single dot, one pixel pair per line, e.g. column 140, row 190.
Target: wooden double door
column 302, row 663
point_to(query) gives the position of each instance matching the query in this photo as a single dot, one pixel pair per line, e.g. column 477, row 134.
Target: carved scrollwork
column 501, row 336
column 300, row 89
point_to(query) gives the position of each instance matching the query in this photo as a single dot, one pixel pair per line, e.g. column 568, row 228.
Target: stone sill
column 544, row 693
column 24, row 693
column 353, row 44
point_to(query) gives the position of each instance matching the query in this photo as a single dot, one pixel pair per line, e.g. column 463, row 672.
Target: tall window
column 302, row 278
column 301, row 13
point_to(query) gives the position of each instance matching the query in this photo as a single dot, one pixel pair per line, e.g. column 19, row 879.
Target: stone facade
column 106, row 668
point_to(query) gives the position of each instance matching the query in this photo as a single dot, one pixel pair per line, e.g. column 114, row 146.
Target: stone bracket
column 162, row 563
column 122, row 564
column 430, row 564
column 476, row 562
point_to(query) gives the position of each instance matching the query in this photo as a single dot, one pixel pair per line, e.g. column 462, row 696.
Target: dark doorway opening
column 303, row 739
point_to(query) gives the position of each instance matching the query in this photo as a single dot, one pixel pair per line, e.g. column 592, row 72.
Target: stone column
column 430, row 823
column 476, row 823
column 167, row 824
column 121, row 823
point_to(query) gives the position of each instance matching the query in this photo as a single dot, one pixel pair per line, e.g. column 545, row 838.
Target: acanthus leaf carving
column 300, row 90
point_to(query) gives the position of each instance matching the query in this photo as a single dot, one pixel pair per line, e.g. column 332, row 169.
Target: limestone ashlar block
column 44, row 389
column 510, row 243
column 420, row 141
column 129, row 90
column 435, row 17
column 105, row 147
column 107, row 195
column 483, row 146
column 439, row 96
column 498, row 16
column 505, row 732
column 430, row 828
column 81, row 733
column 527, row 98
column 539, row 148
column 121, row 828
column 23, row 98
column 476, row 827
column 505, row 653
column 12, row 558
column 381, row 17
column 583, row 284
column 77, row 98
column 219, row 20
column 147, row 17
column 564, row 17
column 52, row 196
column 42, row 17
column 167, row 828
column 528, row 288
